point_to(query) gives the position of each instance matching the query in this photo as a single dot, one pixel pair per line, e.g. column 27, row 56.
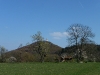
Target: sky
column 20, row 19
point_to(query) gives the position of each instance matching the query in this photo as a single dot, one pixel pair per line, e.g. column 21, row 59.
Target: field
column 50, row 69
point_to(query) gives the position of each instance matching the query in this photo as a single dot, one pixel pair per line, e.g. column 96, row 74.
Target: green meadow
column 50, row 68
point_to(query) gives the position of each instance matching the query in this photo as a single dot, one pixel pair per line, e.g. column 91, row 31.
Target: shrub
column 27, row 57
column 11, row 59
column 52, row 58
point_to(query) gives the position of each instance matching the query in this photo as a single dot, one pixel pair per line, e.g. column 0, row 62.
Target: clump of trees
column 80, row 36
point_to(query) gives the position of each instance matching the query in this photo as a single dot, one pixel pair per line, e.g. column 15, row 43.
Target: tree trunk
column 41, row 58
column 77, row 50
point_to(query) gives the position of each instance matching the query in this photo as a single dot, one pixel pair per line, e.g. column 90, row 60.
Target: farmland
column 47, row 68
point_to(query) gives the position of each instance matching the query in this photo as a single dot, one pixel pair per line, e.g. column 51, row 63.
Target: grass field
column 50, row 69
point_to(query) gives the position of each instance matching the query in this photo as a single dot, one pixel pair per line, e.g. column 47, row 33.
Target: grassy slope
column 50, row 69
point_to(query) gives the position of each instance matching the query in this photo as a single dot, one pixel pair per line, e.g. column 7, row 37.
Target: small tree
column 2, row 54
column 79, row 36
column 41, row 45
column 21, row 45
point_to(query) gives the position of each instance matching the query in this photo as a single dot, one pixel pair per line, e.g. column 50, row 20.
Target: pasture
column 50, row 68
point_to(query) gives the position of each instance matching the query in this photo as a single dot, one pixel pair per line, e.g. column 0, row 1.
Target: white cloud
column 66, row 34
column 59, row 35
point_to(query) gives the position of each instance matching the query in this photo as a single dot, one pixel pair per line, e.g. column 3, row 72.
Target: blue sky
column 20, row 19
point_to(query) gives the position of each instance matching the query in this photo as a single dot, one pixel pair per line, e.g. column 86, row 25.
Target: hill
column 28, row 53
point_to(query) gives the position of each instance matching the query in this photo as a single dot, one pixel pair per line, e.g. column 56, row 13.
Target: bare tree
column 41, row 45
column 21, row 45
column 79, row 35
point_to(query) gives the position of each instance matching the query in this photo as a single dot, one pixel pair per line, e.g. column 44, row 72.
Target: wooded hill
column 29, row 54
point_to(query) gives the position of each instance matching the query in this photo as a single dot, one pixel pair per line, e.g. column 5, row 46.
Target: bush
column 52, row 58
column 11, row 60
column 27, row 57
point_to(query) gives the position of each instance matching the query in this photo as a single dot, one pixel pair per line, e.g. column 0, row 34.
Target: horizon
column 20, row 19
